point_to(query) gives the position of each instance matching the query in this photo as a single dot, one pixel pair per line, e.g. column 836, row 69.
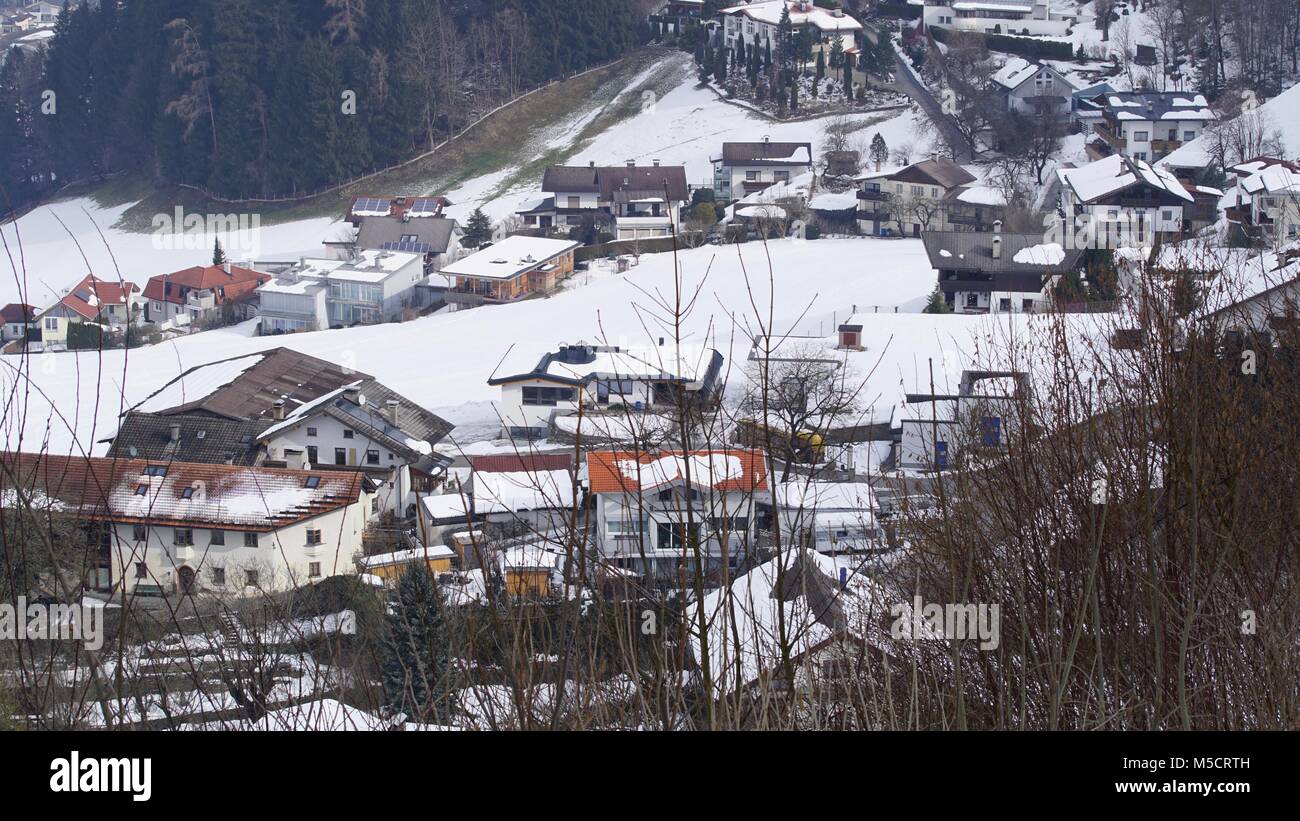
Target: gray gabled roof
column 202, row 438
column 973, row 251
column 436, row 232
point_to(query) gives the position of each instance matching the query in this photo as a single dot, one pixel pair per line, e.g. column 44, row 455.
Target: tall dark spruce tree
column 416, row 666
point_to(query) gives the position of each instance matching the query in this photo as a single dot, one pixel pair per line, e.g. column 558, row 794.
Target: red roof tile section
column 723, row 470
column 226, row 284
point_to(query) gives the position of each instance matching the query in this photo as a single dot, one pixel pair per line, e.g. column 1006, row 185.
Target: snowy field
column 71, row 400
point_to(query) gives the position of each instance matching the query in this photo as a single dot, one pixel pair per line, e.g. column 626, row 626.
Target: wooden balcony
column 1112, row 139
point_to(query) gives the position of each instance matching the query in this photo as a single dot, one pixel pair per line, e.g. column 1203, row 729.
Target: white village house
column 372, row 286
column 170, row 528
column 745, row 168
column 1121, row 201
column 1025, row 17
column 642, row 522
column 1034, row 89
column 537, row 393
column 758, row 22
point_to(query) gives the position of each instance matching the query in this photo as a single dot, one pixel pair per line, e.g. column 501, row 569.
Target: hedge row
column 1022, row 46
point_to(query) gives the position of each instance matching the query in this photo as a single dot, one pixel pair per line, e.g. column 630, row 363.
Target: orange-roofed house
column 109, row 303
column 653, row 510
column 172, row 528
column 201, row 292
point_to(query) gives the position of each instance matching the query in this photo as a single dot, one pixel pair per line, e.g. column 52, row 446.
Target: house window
column 155, row 470
column 1004, row 304
column 673, row 536
column 372, row 457
column 313, row 570
column 313, row 454
column 250, row 578
column 340, row 456
column 575, row 202
column 1140, row 155
column 139, row 533
column 941, row 455
column 187, row 493
column 1027, row 305
column 374, row 504
column 548, row 396
column 312, row 482
column 972, row 300
column 991, row 431
column 1140, row 136
column 1167, row 215
column 141, row 570
column 311, row 431
column 218, row 538
column 1188, row 136
column 217, row 575
column 182, row 536
column 751, row 176
column 313, row 537
column 624, row 528
column 781, row 176
column 918, row 190
column 347, row 434
column 250, row 540
column 51, row 323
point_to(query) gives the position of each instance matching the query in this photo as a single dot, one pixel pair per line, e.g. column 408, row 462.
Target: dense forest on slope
column 255, row 98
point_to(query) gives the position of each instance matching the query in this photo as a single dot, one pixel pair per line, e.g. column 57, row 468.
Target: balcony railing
column 1114, row 140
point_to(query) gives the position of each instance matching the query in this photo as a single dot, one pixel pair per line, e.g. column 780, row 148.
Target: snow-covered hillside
column 686, row 125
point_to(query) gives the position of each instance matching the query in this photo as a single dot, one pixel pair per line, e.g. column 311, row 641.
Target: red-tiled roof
column 17, row 312
column 105, row 292
column 227, row 285
column 631, row 472
column 120, row 490
column 521, row 462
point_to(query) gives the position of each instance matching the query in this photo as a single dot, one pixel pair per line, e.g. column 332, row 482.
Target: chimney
column 277, row 409
column 225, row 266
column 656, row 162
column 393, row 405
column 997, row 226
column 353, row 394
column 997, row 246
column 631, row 163
column 592, row 164
column 175, row 432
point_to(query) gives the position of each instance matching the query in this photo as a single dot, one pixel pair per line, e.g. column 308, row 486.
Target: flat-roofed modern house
column 630, row 201
column 1143, row 125
column 512, row 269
column 996, row 272
column 200, row 292
column 287, row 409
column 746, row 168
column 1024, row 17
column 176, row 528
column 653, row 511
column 936, row 428
column 370, row 287
column 1124, row 201
column 538, row 396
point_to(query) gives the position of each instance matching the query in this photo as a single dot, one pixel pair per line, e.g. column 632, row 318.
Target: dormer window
column 313, row 482
column 155, row 470
column 187, row 493
column 141, row 490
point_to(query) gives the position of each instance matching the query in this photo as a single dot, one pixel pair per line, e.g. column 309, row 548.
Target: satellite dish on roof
column 361, row 399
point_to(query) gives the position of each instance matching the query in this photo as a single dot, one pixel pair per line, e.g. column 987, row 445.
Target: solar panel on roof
column 425, row 205
column 368, row 204
column 408, row 247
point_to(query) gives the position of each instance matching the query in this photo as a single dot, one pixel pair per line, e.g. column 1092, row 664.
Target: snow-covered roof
column 510, row 257
column 1116, row 173
column 770, row 11
column 834, row 202
column 514, row 492
column 398, row 557
column 723, row 470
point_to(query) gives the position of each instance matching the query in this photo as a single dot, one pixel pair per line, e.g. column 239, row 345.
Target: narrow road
column 909, row 85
